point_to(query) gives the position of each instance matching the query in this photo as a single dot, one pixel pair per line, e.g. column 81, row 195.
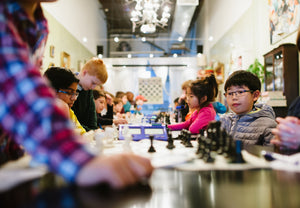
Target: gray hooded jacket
column 252, row 128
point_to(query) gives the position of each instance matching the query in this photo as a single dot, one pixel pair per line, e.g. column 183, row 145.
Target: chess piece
column 126, row 144
column 188, row 139
column 207, row 157
column 170, row 141
column 151, row 148
column 238, row 152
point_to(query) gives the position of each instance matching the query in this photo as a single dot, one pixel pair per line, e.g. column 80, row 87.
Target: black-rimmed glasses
column 238, row 93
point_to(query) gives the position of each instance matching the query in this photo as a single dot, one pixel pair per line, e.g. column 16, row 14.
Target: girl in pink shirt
column 200, row 94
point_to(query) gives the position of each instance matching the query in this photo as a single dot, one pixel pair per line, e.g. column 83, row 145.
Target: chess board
column 181, row 157
column 151, row 89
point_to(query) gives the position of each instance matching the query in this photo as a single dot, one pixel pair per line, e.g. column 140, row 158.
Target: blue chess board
column 143, row 132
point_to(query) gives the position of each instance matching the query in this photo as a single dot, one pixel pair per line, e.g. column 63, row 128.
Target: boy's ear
column 256, row 95
column 84, row 72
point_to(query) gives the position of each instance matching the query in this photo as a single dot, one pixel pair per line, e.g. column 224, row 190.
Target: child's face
column 124, row 99
column 192, row 100
column 241, row 102
column 118, row 107
column 89, row 82
column 100, row 104
column 68, row 95
column 139, row 102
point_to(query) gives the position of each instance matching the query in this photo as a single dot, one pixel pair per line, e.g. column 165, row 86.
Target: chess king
column 139, row 100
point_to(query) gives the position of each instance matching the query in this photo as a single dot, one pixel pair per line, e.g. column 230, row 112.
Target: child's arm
column 202, row 120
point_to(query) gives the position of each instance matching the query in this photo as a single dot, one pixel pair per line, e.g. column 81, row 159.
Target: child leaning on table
column 65, row 84
column 252, row 123
column 200, row 95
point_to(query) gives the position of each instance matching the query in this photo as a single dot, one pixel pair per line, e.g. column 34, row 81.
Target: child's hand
column 287, row 132
column 120, row 121
column 109, row 99
column 117, row 170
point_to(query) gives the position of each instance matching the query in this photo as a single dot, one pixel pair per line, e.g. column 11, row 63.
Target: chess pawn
column 99, row 137
column 151, row 148
column 170, row 141
column 188, row 139
column 238, row 152
column 109, row 136
column 126, row 144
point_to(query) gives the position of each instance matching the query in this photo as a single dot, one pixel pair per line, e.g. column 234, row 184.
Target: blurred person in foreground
column 32, row 117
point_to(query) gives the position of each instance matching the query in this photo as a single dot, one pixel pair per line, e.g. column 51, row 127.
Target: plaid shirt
column 27, row 109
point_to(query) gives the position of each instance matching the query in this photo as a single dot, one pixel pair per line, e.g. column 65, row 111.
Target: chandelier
column 145, row 15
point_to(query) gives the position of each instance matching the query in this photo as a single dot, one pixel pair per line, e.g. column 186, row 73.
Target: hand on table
column 118, row 171
column 109, row 99
column 120, row 121
column 287, row 132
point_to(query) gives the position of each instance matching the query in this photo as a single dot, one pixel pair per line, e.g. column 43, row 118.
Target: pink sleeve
column 203, row 118
column 180, row 126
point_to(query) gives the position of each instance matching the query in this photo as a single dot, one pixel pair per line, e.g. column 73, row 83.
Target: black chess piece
column 168, row 119
column 207, row 156
column 238, row 158
column 151, row 148
column 170, row 141
column 182, row 136
column 188, row 139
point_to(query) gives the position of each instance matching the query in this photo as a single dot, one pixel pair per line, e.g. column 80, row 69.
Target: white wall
column 126, row 78
column 83, row 18
column 217, row 17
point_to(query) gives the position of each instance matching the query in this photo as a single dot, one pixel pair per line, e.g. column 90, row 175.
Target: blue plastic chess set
column 143, row 132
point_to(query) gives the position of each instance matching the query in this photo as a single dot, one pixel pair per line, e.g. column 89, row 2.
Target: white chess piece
column 109, row 136
column 99, row 140
column 126, row 144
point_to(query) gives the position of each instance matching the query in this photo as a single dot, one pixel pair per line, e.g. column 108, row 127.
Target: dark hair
column 206, row 87
column 176, row 100
column 130, row 96
column 120, row 94
column 97, row 94
column 60, row 78
column 243, row 78
column 117, row 100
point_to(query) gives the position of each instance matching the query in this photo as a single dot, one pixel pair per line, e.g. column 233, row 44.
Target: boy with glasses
column 249, row 122
column 65, row 84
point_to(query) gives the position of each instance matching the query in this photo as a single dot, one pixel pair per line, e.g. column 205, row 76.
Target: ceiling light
column 143, row 39
column 116, row 39
column 129, row 55
column 180, row 39
column 146, row 16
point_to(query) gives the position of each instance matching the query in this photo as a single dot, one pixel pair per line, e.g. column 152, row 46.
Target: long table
column 167, row 188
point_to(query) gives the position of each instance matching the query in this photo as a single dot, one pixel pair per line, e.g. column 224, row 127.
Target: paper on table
column 287, row 163
column 16, row 172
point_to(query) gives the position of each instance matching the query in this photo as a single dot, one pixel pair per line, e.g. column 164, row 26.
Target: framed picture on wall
column 284, row 18
column 52, row 51
column 65, row 60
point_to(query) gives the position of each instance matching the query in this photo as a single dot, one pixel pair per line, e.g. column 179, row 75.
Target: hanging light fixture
column 145, row 14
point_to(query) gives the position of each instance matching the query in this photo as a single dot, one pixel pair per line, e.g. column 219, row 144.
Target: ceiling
column 118, row 14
